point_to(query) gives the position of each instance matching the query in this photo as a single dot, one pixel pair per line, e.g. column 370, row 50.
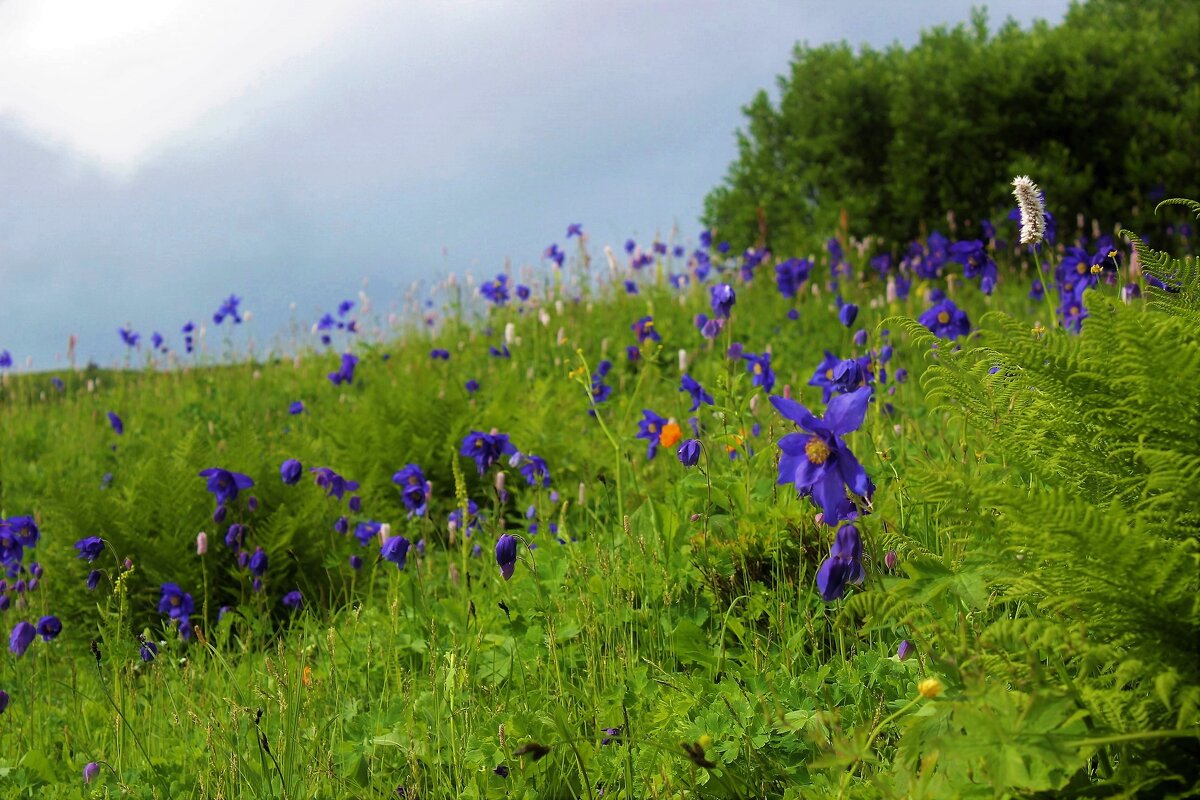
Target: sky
column 158, row 155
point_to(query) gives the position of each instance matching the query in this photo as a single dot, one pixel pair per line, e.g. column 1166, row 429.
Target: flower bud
column 889, row 560
column 904, row 650
column 201, row 543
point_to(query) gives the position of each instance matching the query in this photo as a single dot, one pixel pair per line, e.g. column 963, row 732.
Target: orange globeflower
column 670, row 434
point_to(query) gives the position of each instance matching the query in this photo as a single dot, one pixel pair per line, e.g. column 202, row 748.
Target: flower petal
column 847, row 411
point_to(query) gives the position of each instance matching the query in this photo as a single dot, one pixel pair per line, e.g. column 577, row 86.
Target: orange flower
column 670, row 434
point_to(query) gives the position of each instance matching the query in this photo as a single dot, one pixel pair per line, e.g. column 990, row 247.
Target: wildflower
column 3, row 700
column 575, row 229
column 609, row 735
column 366, row 532
column 345, row 373
column 224, row 484
column 201, row 543
column 6, row 362
column 229, row 308
column 296, row 407
column 760, row 370
column 49, row 627
column 90, row 548
column 860, row 337
column 258, row 562
column 689, row 452
column 175, row 602
column 722, row 299
column 290, row 471
column 293, row 599
column 356, row 562
column 671, row 433
column 523, row 292
column 1032, row 208
column 90, row 771
column 818, row 462
column 438, row 353
column 790, row 274
column 644, row 328
column 235, row 537
column 506, row 555
column 973, row 255
column 536, row 470
column 486, row 448
column 889, row 560
column 696, row 391
column 117, row 424
column 395, row 549
column 334, row 485
column 93, row 579
column 946, row 320
column 843, row 566
column 148, row 651
column 128, row 336
column 21, row 637
column 904, row 650
column 631, row 287
column 472, row 524
column 929, row 688
column 847, row 314
column 712, row 328
column 412, row 483
column 650, row 428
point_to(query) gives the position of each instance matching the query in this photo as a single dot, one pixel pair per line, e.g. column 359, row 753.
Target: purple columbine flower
column 148, row 651
column 760, row 370
column 848, row 313
column 506, row 555
column 90, row 548
column 175, row 602
column 224, row 484
column 413, row 489
column 904, row 650
column 722, row 298
column 946, row 320
column 472, row 386
column 293, row 599
column 365, row 531
column 21, row 637
column 472, row 523
column 93, row 579
column 689, row 452
column 650, row 428
column 117, row 424
column 644, row 328
column 486, row 448
column 395, row 549
column 297, row 407
column 229, row 308
column 575, row 229
column 345, row 373
column 259, row 562
column 290, row 471
column 696, row 391
column 818, row 462
column 49, row 627
column 334, row 485
column 843, row 566
column 90, row 771
column 536, row 471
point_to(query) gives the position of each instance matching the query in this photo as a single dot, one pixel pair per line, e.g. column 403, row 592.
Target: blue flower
column 536, row 471
column 689, row 452
column 472, row 386
column 259, row 562
column 6, row 360
column 21, row 637
column 848, row 313
column 818, row 462
column 722, row 299
column 472, row 525
column 49, row 627
column 90, row 548
column 486, row 448
column 438, row 353
column 413, row 489
column 496, row 291
column 176, row 603
column 946, row 320
column 692, row 387
column 574, row 229
column 224, row 484
column 760, row 370
column 93, row 579
column 334, row 485
column 345, row 373
column 366, row 532
column 506, row 554
column 229, row 308
column 644, row 328
column 843, row 566
column 395, row 549
column 296, row 407
column 293, row 599
column 650, row 428
column 790, row 274
column 128, row 336
column 148, row 652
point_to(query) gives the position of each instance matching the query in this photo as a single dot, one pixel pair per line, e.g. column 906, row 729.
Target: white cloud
column 114, row 81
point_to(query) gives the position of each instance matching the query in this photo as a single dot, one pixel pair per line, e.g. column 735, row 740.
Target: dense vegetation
column 1104, row 108
column 1003, row 601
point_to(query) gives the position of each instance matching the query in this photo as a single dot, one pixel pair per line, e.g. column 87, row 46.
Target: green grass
column 681, row 609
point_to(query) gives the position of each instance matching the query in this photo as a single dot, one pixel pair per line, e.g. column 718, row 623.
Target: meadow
column 666, row 521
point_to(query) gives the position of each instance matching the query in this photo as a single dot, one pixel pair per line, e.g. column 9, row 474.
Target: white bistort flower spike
column 1033, row 210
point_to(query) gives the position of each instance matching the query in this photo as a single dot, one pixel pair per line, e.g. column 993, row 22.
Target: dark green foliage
column 1102, row 108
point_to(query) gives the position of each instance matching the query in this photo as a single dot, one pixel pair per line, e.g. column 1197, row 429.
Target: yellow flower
column 929, row 688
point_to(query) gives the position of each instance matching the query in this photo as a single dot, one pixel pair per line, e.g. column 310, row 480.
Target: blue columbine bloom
column 631, row 287
column 496, row 291
column 843, row 566
column 6, row 360
column 365, row 532
column 116, row 423
column 334, row 485
column 90, row 548
column 644, row 328
column 574, row 229
column 790, row 274
column 506, row 554
column 486, row 448
column 293, row 599
column 23, row 529
column 229, row 308
column 345, row 373
column 93, row 579
column 818, row 462
column 439, row 354
column 21, row 637
column 129, row 337
column 297, row 407
column 259, row 562
column 973, row 255
column 472, row 525
column 413, row 489
column 148, row 652
column 536, row 471
column 49, row 627
column 760, row 370
column 290, row 471
column 848, row 313
column 823, row 377
column 696, row 391
column 946, row 320
column 650, row 428
column 344, row 307
column 722, row 299
column 224, row 484
column 523, row 292
column 395, row 549
column 178, row 605
column 689, row 452
column 472, row 386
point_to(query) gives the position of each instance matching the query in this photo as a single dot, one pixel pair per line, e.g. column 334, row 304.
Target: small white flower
column 1033, row 210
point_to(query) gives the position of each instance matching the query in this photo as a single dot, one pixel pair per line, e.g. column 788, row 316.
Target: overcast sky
column 157, row 155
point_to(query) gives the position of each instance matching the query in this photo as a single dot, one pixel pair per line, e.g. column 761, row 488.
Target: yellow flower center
column 758, row 369
column 943, row 317
column 652, row 428
column 1081, row 268
column 829, row 373
column 816, row 450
